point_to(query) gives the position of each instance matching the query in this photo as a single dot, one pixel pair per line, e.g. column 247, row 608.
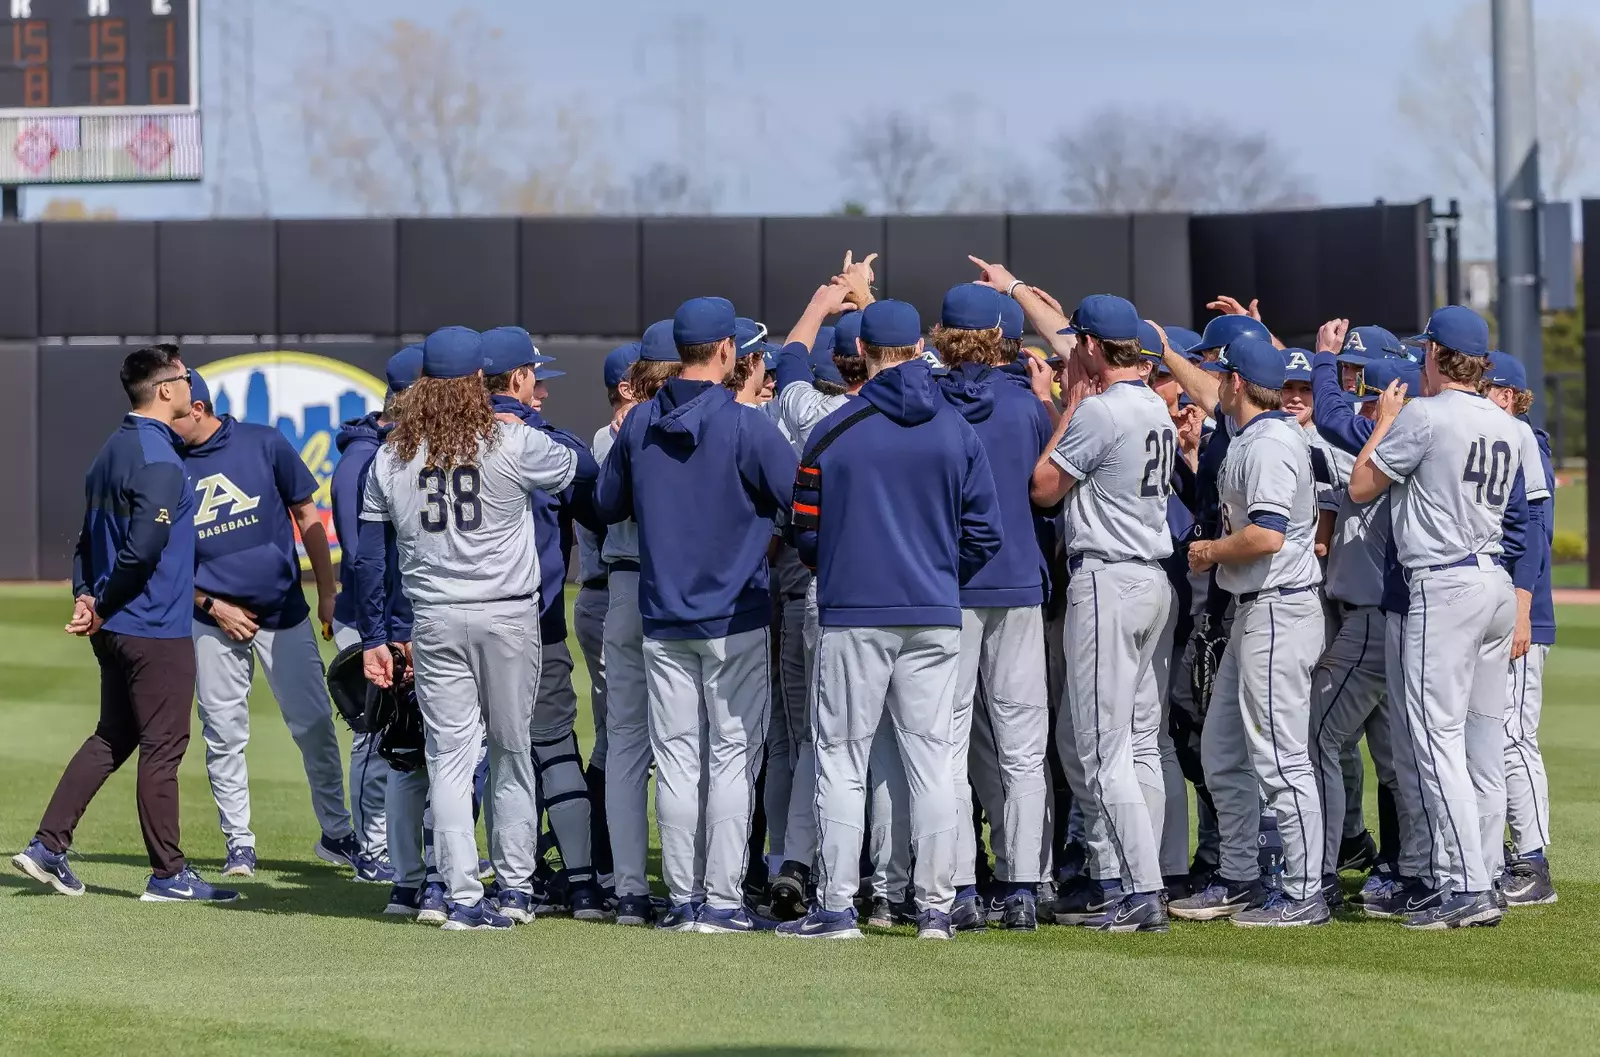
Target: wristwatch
column 207, row 604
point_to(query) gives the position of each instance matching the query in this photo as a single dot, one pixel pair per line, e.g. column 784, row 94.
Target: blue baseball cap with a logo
column 507, row 348
column 701, row 320
column 1459, row 329
column 1256, row 360
column 657, row 345
column 1104, row 316
column 748, row 336
column 1150, row 342
column 890, row 324
column 1296, row 365
column 1182, row 339
column 1379, row 374
column 1505, row 371
column 452, row 352
column 1011, row 320
column 971, row 306
column 403, row 368
column 618, row 360
column 199, row 391
column 1366, row 343
column 846, row 329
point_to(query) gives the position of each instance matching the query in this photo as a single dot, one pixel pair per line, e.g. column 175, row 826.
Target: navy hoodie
column 552, row 519
column 703, row 476
column 135, row 552
column 358, row 442
column 1014, row 428
column 1541, row 536
column 907, row 507
column 246, row 477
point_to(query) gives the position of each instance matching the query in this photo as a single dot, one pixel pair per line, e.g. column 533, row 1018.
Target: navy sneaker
column 786, row 896
column 1082, row 898
column 1219, row 899
column 1332, row 894
column 936, row 925
column 967, row 915
column 547, row 899
column 994, row 907
column 518, row 906
column 1281, row 912
column 485, row 870
column 880, row 915
column 1177, row 886
column 1404, row 900
column 375, row 870
column 1134, row 912
column 185, row 886
column 1526, row 882
column 1357, row 853
column 340, row 851
column 404, row 901
column 1464, row 910
column 478, row 917
column 679, row 918
column 432, row 908
column 822, row 924
column 637, row 911
column 713, row 921
column 1380, row 883
column 588, row 903
column 1018, row 912
column 48, row 868
column 241, row 862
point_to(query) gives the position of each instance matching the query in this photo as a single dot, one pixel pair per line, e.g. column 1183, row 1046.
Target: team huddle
column 860, row 596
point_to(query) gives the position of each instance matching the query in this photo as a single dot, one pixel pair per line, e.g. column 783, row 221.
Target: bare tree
column 893, row 163
column 1004, row 185
column 663, row 188
column 1119, row 162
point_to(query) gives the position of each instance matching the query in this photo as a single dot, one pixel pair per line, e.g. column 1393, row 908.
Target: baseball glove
column 1210, row 641
column 392, row 713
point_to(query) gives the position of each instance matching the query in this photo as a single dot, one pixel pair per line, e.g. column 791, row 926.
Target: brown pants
column 146, row 690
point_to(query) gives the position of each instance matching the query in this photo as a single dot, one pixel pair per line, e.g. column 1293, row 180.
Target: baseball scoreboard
column 99, row 91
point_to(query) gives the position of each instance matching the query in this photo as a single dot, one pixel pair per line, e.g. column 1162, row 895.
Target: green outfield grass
column 303, row 964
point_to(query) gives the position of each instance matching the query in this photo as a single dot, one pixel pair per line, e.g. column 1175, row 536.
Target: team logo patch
column 305, row 397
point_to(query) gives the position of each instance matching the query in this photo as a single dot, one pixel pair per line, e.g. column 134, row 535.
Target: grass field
column 303, row 965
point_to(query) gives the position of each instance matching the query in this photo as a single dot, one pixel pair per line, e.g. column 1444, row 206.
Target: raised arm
column 1044, row 314
column 1201, row 385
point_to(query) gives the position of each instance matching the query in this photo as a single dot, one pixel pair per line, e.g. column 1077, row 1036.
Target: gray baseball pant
column 788, row 730
column 1005, row 646
column 369, row 775
column 293, row 667
column 889, row 820
column 1087, row 828
column 1116, row 613
column 589, row 623
column 1346, row 688
column 477, row 669
column 1421, row 850
column 860, row 673
column 628, row 753
column 1351, row 767
column 1458, row 650
column 983, row 772
column 1527, row 787
column 1172, row 841
column 800, row 829
column 562, row 789
column 1255, row 736
column 708, row 705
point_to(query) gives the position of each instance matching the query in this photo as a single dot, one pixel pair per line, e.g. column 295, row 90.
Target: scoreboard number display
column 99, row 91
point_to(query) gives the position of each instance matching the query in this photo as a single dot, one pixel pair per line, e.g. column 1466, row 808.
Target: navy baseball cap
column 657, row 345
column 1296, row 365
column 1150, row 342
column 971, row 306
column 403, row 368
column 1010, row 319
column 1459, row 329
column 1182, row 339
column 1104, row 316
column 199, row 391
column 507, row 348
column 1254, row 359
column 700, row 320
column 1223, row 330
column 890, row 324
column 1366, row 343
column 748, row 336
column 618, row 360
column 846, row 329
column 1505, row 372
column 1380, row 373
column 452, row 352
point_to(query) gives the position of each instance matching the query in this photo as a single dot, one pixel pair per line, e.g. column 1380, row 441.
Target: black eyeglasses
column 175, row 378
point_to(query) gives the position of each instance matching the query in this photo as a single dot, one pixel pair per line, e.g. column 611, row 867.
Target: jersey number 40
column 1489, row 468
column 461, row 500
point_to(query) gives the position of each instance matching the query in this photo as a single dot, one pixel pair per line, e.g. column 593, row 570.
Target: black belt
column 623, row 566
column 1250, row 596
column 593, row 583
column 1470, row 560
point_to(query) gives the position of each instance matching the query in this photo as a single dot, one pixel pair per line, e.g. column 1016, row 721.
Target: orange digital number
column 172, row 39
column 108, row 41
column 163, row 84
column 30, row 43
column 108, row 86
column 35, row 86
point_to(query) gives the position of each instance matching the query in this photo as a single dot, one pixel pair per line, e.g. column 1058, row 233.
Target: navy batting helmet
column 1225, row 329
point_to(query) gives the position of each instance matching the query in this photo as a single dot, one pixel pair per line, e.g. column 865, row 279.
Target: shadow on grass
column 739, row 1051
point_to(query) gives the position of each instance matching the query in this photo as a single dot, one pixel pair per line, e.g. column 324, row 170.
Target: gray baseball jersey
column 1361, row 534
column 1120, row 446
column 1330, row 468
column 1453, row 458
column 1268, row 472
column 622, row 539
column 589, row 564
column 465, row 536
column 800, row 408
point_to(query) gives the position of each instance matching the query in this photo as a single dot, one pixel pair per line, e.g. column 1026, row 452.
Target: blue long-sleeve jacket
column 1541, row 536
column 135, row 552
column 370, row 598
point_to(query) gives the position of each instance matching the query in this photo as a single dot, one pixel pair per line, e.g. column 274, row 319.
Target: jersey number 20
column 1489, row 467
column 1162, row 449
column 461, row 500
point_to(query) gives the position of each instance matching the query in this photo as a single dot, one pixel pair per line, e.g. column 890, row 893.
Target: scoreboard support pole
column 10, row 203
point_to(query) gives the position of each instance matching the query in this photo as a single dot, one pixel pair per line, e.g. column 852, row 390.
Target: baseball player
column 455, row 484
column 895, row 509
column 693, row 465
column 589, row 621
column 1255, row 734
column 1526, row 880
column 1361, row 346
column 1455, row 459
column 628, row 752
column 1002, row 619
column 514, row 374
column 251, row 491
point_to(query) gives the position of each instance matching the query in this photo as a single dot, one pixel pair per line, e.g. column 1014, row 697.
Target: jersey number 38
column 460, row 501
column 1489, row 468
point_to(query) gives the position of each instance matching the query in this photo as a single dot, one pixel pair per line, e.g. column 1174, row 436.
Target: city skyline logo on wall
column 305, row 397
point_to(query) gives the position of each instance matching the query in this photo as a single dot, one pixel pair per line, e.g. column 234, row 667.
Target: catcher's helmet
column 1224, row 329
column 390, row 713
column 348, row 687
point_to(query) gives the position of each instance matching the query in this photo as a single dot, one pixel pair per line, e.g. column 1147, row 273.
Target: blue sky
column 999, row 77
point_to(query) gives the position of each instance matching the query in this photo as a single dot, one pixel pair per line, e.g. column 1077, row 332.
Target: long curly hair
column 448, row 419
column 957, row 346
